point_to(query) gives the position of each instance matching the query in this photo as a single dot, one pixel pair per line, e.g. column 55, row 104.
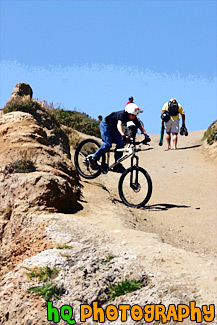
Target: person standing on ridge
column 130, row 100
column 170, row 115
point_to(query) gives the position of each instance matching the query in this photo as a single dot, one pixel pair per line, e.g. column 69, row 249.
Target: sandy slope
column 182, row 209
column 173, row 239
column 175, row 235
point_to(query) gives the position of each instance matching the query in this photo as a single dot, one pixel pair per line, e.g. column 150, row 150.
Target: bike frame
column 129, row 151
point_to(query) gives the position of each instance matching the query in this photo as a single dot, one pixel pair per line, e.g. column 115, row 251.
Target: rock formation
column 36, row 172
column 21, row 90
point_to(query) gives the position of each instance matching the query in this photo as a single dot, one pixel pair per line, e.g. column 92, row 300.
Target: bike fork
column 133, row 182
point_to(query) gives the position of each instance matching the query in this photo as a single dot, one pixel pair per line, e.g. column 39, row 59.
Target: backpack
column 173, row 108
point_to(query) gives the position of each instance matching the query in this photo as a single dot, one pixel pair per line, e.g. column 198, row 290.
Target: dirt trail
column 183, row 206
column 175, row 236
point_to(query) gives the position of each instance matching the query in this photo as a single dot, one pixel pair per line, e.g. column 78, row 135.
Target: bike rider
column 112, row 132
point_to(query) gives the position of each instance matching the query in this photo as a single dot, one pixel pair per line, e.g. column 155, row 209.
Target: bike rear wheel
column 135, row 187
column 83, row 152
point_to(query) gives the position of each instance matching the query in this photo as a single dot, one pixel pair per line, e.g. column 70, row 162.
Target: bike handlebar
column 136, row 143
column 144, row 141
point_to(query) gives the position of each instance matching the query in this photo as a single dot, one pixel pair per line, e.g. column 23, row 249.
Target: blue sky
column 92, row 55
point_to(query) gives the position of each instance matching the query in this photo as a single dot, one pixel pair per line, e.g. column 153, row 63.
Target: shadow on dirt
column 97, row 184
column 146, row 149
column 77, row 208
column 191, row 147
column 155, row 207
column 163, row 206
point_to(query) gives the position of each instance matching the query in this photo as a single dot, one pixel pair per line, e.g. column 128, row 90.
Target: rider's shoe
column 118, row 168
column 104, row 168
column 93, row 164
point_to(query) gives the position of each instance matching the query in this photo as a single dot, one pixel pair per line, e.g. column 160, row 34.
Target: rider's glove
column 127, row 139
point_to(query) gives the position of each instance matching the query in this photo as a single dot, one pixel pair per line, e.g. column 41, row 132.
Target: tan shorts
column 172, row 126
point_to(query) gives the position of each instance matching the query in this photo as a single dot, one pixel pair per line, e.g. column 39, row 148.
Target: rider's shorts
column 172, row 126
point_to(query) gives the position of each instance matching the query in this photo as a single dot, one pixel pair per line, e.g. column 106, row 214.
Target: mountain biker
column 112, row 132
column 172, row 125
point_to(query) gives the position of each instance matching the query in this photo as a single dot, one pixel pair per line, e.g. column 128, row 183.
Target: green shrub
column 18, row 104
column 108, row 259
column 48, row 291
column 63, row 247
column 32, row 107
column 81, row 122
column 25, row 163
column 42, row 273
column 213, row 137
column 71, row 118
column 211, row 133
column 20, row 166
column 123, row 288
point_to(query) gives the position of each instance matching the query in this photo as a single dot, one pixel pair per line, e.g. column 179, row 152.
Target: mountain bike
column 135, row 185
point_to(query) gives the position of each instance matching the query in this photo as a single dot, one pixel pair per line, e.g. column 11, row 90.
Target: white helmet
column 133, row 109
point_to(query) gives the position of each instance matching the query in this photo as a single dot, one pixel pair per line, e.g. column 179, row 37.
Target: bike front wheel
column 83, row 152
column 135, row 187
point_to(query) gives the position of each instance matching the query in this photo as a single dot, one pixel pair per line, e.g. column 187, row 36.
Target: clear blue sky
column 92, row 55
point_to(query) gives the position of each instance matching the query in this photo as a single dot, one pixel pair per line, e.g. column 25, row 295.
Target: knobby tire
column 123, row 192
column 87, row 173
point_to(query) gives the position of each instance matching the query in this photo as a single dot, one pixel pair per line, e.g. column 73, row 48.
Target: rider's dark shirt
column 123, row 116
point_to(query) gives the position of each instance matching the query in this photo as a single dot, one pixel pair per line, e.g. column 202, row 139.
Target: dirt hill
column 170, row 245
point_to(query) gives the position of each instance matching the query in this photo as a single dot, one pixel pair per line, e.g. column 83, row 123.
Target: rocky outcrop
column 21, row 89
column 53, row 183
column 52, row 133
column 85, row 274
column 36, row 174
